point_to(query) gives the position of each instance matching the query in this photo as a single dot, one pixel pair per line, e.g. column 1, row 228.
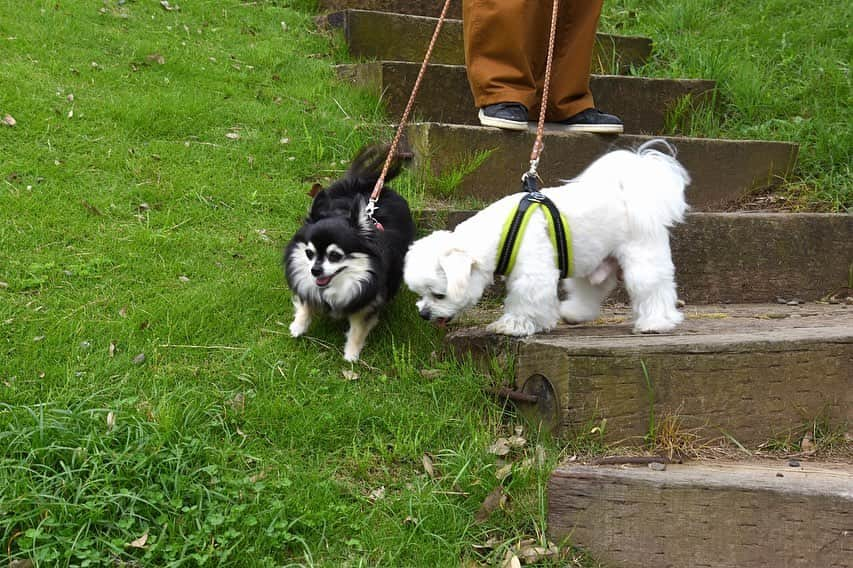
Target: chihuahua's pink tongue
column 323, row 280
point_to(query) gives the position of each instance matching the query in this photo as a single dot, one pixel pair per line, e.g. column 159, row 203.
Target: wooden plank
column 445, row 95
column 397, row 37
column 723, row 171
column 731, row 515
column 411, row 7
column 737, row 371
column 733, row 258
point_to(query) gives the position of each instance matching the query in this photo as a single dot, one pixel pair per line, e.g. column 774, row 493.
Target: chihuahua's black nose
column 425, row 314
column 316, row 270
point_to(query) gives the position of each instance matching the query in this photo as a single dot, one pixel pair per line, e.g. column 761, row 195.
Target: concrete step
column 749, row 372
column 397, row 37
column 412, row 7
column 445, row 96
column 710, row 514
column 725, row 258
column 723, row 171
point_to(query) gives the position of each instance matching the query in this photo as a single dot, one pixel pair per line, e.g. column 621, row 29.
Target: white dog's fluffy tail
column 652, row 184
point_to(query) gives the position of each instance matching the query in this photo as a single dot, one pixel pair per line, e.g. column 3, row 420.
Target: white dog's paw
column 515, row 326
column 574, row 311
column 351, row 355
column 297, row 328
column 658, row 324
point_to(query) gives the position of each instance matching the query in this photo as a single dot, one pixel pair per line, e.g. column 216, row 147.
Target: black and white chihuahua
column 342, row 263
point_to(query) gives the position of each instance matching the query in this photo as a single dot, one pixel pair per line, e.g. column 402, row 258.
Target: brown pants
column 506, row 47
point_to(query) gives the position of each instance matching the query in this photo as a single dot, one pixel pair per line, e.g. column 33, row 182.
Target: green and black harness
column 515, row 225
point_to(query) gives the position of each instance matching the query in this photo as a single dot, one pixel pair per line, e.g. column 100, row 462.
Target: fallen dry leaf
column 168, row 7
column 504, row 472
column 139, row 359
column 4, row 284
column 377, row 494
column 532, row 554
column 427, row 461
column 8, row 120
column 183, row 278
column 123, row 311
column 238, row 403
column 112, row 349
column 500, row 447
column 516, row 442
column 511, row 560
column 156, row 58
column 232, row 135
column 491, row 503
column 139, row 542
column 350, row 375
column 807, row 445
column 111, row 420
column 430, row 374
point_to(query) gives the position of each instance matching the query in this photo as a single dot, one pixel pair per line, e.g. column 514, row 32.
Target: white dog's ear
column 457, row 269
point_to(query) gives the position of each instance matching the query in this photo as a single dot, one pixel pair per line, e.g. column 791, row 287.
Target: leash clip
column 369, row 209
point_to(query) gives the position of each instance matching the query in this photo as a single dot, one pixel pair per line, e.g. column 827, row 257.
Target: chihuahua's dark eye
column 334, row 256
column 439, row 296
column 309, row 253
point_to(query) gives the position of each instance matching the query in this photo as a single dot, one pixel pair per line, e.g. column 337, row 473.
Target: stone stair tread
column 394, row 36
column 751, row 372
column 716, row 514
column 445, row 96
column 723, row 172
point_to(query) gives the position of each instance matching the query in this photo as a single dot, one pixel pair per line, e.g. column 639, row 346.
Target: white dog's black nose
column 316, row 270
column 425, row 314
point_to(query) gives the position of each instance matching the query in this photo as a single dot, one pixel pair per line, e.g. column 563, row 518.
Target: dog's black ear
column 320, row 206
column 359, row 218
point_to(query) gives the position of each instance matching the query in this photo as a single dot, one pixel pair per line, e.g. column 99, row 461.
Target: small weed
column 651, row 432
column 445, row 184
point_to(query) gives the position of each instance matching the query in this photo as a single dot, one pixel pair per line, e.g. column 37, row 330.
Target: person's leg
column 571, row 101
column 501, row 36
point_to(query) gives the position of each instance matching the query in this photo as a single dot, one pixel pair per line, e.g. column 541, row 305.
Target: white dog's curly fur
column 619, row 211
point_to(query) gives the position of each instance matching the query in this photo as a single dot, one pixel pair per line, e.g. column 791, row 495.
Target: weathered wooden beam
column 734, row 258
column 398, row 37
column 445, row 96
column 752, row 373
column 720, row 515
column 723, row 171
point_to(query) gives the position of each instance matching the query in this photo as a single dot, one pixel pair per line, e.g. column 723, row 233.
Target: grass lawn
column 153, row 408
column 783, row 73
column 148, row 388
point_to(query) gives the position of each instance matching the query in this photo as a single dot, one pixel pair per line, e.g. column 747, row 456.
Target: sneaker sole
column 594, row 128
column 501, row 122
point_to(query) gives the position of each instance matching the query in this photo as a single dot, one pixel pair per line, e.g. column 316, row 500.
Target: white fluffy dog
column 618, row 210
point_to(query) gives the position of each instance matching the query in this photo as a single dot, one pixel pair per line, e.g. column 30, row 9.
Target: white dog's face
column 441, row 274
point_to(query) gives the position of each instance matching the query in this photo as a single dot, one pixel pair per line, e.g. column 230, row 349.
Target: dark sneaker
column 511, row 116
column 593, row 120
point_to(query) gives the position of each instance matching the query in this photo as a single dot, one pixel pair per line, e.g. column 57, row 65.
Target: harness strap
column 515, row 225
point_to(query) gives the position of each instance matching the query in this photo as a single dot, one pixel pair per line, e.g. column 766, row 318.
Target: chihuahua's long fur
column 339, row 261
